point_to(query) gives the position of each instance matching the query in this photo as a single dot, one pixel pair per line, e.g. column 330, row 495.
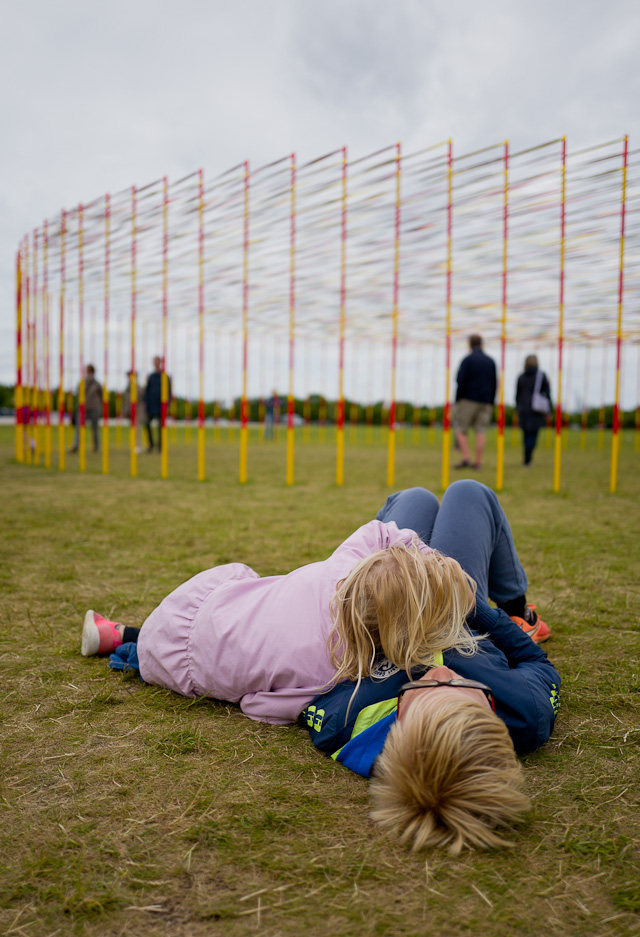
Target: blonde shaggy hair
column 448, row 776
column 409, row 604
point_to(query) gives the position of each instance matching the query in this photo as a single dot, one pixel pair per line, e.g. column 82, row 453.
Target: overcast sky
column 97, row 96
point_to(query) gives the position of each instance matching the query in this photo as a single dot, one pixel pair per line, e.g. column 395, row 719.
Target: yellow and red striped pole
column 503, row 334
column 244, row 405
column 164, row 386
column 292, row 311
column 48, row 442
column 34, row 374
column 201, row 469
column 343, row 316
column 82, row 423
column 615, row 440
column 18, row 395
column 26, row 283
column 391, row 447
column 636, row 439
column 61, row 399
column 133, row 377
column 105, row 382
column 446, row 415
column 557, row 461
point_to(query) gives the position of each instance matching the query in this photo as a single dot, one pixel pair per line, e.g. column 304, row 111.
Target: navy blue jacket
column 525, row 686
column 153, row 393
column 477, row 378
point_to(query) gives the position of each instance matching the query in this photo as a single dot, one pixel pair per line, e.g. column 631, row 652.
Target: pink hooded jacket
column 229, row 634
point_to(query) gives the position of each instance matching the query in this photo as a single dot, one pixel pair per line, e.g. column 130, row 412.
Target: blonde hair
column 448, row 776
column 409, row 604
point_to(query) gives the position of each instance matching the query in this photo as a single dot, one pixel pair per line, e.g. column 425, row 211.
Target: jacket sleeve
column 519, row 392
column 461, row 378
column 275, row 706
column 531, row 694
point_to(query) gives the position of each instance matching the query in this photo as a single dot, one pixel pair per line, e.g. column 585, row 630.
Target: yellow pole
column 391, row 446
column 61, row 401
column 19, row 429
column 244, row 406
column 105, row 387
column 503, row 337
column 292, row 299
column 35, row 405
column 164, row 380
column 133, row 382
column 201, row 440
column 557, row 461
column 81, row 416
column 615, row 440
column 48, row 442
column 446, row 417
column 343, row 301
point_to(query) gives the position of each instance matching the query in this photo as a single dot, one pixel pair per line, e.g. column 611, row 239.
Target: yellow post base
column 340, row 457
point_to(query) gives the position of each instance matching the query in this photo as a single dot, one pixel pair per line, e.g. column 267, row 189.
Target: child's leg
column 415, row 508
column 472, row 527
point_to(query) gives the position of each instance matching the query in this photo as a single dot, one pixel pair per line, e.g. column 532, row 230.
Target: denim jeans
column 469, row 526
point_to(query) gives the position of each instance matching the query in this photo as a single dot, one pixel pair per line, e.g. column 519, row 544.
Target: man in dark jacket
column 153, row 400
column 474, row 400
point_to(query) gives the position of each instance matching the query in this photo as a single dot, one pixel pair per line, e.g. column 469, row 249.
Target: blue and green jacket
column 525, row 687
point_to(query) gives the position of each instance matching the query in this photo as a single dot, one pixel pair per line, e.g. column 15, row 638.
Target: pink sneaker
column 99, row 635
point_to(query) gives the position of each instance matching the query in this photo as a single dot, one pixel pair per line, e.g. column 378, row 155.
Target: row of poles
column 34, row 255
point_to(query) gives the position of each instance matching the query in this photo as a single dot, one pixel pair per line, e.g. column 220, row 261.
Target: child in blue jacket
column 443, row 761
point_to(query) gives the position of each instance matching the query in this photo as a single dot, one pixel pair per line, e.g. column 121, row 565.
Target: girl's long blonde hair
column 406, row 603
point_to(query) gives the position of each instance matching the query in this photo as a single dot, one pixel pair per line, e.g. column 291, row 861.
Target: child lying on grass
column 402, row 586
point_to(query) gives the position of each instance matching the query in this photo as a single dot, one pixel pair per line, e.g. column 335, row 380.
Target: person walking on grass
column 153, row 400
column 475, row 394
column 393, row 589
column 533, row 402
column 92, row 408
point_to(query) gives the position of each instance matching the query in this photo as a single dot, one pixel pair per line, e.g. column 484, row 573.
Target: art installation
column 385, row 259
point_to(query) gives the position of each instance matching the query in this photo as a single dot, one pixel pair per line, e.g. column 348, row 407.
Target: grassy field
column 128, row 810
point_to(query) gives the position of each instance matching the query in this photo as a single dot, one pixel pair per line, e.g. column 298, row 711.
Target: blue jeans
column 470, row 526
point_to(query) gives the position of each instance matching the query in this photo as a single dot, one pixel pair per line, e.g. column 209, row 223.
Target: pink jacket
column 230, row 634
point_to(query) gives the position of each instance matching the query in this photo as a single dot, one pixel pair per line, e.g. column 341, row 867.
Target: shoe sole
column 90, row 635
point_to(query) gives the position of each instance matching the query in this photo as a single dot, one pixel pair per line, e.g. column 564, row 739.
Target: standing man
column 474, row 401
column 153, row 400
column 92, row 408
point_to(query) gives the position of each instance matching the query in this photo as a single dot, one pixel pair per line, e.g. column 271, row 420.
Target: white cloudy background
column 97, row 96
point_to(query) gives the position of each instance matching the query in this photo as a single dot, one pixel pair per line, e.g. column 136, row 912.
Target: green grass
column 128, row 810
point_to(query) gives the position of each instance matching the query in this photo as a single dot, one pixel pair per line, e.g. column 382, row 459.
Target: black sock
column 515, row 606
column 130, row 634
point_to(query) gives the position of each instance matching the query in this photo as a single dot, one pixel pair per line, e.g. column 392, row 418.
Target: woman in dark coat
column 532, row 420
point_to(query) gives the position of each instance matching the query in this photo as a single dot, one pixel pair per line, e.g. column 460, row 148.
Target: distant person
column 92, row 408
column 533, row 402
column 140, row 409
column 153, row 400
column 474, row 401
column 272, row 414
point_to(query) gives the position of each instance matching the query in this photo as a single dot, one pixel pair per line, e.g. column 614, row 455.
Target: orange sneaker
column 537, row 629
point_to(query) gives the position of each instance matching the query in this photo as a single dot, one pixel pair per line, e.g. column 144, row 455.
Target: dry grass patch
column 127, row 810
